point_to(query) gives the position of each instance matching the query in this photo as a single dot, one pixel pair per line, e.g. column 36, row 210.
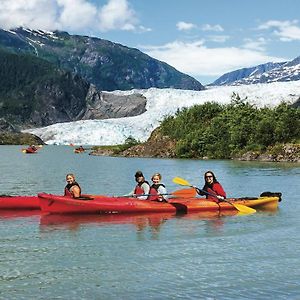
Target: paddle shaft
column 239, row 207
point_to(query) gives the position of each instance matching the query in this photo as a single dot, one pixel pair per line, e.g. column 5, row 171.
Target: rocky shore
column 280, row 153
column 160, row 146
column 9, row 135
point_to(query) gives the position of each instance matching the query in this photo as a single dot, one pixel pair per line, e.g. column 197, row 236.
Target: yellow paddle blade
column 181, row 181
column 243, row 208
column 185, row 193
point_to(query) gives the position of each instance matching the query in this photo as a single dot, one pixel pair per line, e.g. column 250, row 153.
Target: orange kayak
column 107, row 204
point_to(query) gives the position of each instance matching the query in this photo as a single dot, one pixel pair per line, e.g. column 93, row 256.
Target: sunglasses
column 208, row 176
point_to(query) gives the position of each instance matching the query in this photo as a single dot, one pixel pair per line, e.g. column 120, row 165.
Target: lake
column 156, row 256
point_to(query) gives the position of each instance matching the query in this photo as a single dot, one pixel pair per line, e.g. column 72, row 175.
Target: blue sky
column 204, row 39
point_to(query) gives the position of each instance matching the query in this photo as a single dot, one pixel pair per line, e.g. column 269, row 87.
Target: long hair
column 214, row 179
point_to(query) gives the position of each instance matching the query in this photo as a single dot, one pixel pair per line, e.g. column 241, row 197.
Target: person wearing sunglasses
column 212, row 186
column 142, row 187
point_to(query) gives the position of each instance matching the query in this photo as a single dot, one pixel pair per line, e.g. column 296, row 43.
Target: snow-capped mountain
column 161, row 102
column 231, row 77
column 265, row 73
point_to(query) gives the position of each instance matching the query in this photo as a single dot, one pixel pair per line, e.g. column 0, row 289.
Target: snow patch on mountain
column 161, row 103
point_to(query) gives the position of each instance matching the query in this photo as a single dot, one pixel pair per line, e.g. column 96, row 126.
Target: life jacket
column 68, row 188
column 138, row 189
column 215, row 189
column 154, row 192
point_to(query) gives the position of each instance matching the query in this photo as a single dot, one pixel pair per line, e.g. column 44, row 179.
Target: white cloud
column 28, row 13
column 76, row 14
column 197, row 60
column 116, row 14
column 286, row 30
column 208, row 27
column 182, row 26
column 68, row 15
column 218, row 38
column 255, row 44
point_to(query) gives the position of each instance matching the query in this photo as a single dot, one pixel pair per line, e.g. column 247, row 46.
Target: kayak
column 19, row 202
column 96, row 204
column 29, row 151
column 78, row 151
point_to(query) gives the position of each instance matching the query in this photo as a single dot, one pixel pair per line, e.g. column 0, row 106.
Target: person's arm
column 199, row 192
column 75, row 191
column 146, row 189
column 218, row 189
column 162, row 191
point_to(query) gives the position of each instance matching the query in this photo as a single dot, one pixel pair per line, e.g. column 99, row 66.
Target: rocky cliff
column 34, row 93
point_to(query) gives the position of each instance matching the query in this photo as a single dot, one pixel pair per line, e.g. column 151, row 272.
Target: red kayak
column 106, row 204
column 19, row 202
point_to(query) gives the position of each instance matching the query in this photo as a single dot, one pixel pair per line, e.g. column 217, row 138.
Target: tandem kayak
column 106, row 204
column 19, row 202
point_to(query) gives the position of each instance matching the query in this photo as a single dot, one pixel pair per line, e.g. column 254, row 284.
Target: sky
column 161, row 103
column 203, row 39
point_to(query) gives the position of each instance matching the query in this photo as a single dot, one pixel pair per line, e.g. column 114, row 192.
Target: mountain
column 230, row 77
column 35, row 93
column 265, row 73
column 107, row 65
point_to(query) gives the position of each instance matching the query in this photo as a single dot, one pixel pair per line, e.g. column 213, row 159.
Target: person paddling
column 142, row 187
column 72, row 189
column 158, row 190
column 212, row 186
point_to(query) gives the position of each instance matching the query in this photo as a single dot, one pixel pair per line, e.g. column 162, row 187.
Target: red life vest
column 154, row 192
column 68, row 188
column 138, row 189
column 217, row 190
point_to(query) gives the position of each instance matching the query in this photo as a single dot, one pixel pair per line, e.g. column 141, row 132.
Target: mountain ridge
column 264, row 73
column 109, row 66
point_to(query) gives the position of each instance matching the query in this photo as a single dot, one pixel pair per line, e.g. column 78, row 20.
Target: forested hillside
column 224, row 131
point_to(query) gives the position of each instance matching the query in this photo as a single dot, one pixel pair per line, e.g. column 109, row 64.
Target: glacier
column 161, row 103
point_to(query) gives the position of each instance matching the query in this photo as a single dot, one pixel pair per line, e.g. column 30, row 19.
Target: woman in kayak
column 213, row 187
column 158, row 190
column 142, row 187
column 72, row 189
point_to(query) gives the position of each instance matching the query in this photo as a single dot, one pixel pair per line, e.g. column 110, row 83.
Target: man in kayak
column 142, row 187
column 213, row 187
column 72, row 189
column 158, row 190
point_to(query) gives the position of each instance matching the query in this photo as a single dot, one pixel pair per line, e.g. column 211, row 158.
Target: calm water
column 147, row 257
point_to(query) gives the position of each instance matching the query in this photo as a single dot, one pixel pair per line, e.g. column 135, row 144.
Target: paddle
column 183, row 193
column 242, row 208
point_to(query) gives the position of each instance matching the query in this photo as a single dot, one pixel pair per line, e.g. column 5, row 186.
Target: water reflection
column 144, row 224
column 141, row 222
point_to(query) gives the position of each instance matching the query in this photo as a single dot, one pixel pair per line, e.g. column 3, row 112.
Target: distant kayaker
column 32, row 148
column 212, row 186
column 158, row 190
column 142, row 187
column 72, row 189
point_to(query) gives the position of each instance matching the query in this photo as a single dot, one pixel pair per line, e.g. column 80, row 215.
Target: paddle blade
column 185, row 193
column 244, row 209
column 181, row 181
